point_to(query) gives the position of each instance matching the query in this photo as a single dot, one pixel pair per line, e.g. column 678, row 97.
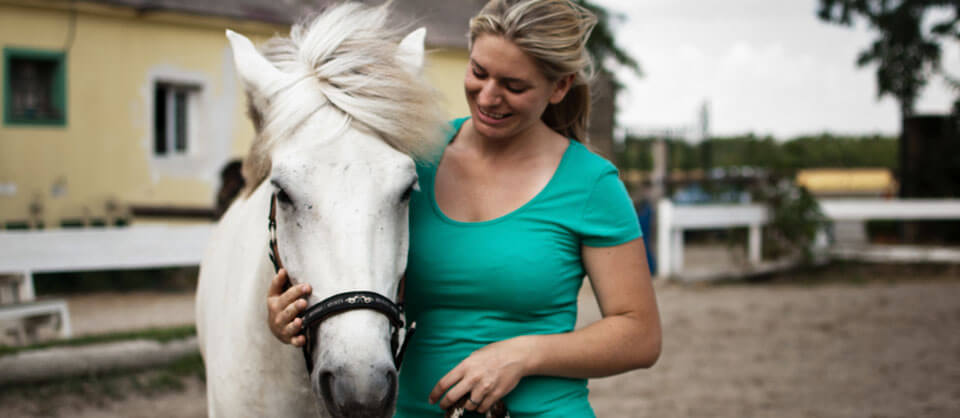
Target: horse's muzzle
column 349, row 395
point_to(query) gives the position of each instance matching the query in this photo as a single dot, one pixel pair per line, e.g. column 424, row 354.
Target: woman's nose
column 489, row 95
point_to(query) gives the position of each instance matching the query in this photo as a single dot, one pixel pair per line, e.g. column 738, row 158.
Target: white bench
column 21, row 315
column 26, row 317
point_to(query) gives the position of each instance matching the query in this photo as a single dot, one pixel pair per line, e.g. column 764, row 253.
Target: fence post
column 755, row 246
column 677, row 251
column 27, row 293
column 664, row 234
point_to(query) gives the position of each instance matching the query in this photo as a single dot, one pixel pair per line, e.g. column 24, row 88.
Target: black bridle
column 341, row 302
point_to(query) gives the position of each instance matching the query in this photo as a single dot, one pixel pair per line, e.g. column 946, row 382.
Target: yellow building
column 114, row 109
column 123, row 110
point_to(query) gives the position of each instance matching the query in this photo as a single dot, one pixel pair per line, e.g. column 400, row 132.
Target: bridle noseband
column 341, row 302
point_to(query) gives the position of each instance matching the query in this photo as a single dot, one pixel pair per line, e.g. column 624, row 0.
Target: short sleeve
column 608, row 216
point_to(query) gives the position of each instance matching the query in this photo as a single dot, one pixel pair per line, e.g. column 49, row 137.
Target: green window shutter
column 34, row 87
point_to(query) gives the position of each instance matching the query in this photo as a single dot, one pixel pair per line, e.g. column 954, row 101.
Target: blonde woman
column 506, row 224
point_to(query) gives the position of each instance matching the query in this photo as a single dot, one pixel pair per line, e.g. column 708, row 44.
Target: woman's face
column 506, row 91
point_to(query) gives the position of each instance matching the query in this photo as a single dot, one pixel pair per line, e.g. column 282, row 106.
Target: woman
column 507, row 222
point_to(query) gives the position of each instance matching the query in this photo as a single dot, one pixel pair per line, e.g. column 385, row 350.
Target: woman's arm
column 628, row 337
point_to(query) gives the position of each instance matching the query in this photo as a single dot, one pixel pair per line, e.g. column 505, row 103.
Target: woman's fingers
column 276, row 285
column 487, row 375
column 456, row 393
column 283, row 308
column 457, row 385
column 443, row 385
column 473, row 402
column 480, row 396
column 292, row 329
column 290, row 312
column 287, row 297
column 298, row 341
column 489, row 400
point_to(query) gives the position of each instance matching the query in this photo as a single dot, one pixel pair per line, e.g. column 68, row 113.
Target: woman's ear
column 561, row 88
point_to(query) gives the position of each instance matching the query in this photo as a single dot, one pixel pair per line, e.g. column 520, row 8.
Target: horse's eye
column 283, row 197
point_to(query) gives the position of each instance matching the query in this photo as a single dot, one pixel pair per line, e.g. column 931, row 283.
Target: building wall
column 104, row 152
column 445, row 70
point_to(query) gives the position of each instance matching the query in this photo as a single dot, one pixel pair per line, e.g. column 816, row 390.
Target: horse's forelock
column 351, row 52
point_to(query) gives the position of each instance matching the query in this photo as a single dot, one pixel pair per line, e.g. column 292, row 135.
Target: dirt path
column 98, row 313
column 830, row 350
column 873, row 350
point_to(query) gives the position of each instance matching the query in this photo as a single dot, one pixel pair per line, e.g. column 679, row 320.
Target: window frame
column 192, row 92
column 58, row 89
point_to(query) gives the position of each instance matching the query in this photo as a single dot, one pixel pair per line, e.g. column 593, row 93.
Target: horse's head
column 341, row 112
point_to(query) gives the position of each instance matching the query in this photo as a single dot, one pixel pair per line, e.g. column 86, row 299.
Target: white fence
column 673, row 220
column 24, row 253
column 48, row 251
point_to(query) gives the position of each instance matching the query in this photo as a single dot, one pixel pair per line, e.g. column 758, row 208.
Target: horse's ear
column 256, row 72
column 410, row 52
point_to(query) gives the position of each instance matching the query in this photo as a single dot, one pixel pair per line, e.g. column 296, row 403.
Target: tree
column 907, row 51
column 603, row 45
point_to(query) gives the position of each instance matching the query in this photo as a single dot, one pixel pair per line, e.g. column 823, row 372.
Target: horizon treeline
column 780, row 157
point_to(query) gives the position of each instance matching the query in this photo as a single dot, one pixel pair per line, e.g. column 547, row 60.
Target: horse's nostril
column 390, row 396
column 326, row 389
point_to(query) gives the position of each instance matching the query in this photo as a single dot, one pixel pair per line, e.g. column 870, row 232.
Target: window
column 173, row 118
column 34, row 87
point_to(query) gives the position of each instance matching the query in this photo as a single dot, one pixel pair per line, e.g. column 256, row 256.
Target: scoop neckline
column 508, row 215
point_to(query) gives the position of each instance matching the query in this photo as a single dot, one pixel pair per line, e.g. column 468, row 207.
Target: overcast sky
column 765, row 66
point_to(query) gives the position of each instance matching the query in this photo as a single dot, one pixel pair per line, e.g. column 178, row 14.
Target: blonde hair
column 554, row 33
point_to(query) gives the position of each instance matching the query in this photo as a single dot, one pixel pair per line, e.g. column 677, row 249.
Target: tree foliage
column 783, row 158
column 602, row 44
column 908, row 49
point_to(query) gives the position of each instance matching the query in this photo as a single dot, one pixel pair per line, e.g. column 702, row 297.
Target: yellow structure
column 108, row 106
column 849, row 182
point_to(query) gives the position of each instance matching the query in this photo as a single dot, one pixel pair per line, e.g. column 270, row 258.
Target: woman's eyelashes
column 516, row 89
column 511, row 85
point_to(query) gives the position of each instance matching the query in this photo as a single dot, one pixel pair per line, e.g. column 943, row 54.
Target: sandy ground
column 104, row 312
column 869, row 348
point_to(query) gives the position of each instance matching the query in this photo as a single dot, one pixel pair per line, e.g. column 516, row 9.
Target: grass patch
column 156, row 334
column 102, row 389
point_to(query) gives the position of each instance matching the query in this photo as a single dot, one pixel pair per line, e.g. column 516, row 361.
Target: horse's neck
column 238, row 309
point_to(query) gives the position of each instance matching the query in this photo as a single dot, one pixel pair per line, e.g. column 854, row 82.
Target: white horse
column 341, row 113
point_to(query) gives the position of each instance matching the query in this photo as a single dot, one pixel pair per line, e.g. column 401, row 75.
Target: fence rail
column 673, row 220
column 25, row 253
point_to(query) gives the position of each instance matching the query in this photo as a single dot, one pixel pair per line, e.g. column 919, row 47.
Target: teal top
column 469, row 284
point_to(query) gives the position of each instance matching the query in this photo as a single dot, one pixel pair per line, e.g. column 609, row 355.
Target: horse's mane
column 349, row 51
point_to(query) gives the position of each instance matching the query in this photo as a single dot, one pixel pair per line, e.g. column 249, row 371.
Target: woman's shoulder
column 588, row 163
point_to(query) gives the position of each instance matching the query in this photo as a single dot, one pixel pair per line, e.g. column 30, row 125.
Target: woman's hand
column 487, row 375
column 283, row 308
